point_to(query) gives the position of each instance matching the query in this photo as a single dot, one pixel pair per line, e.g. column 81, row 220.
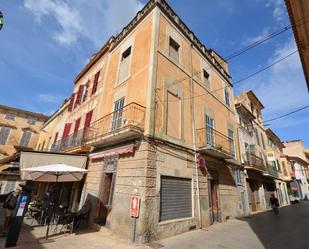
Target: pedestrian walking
column 274, row 203
column 9, row 206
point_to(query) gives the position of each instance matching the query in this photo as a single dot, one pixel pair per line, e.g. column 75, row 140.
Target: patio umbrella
column 55, row 173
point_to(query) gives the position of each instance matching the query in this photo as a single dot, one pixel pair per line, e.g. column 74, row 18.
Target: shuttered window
column 25, row 138
column 79, row 96
column 88, row 119
column 66, row 130
column 71, row 103
column 176, row 198
column 95, row 83
column 4, row 134
column 77, row 123
column 85, row 92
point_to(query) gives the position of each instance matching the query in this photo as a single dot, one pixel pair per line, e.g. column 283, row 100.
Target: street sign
column 201, row 162
column 134, row 206
column 270, row 156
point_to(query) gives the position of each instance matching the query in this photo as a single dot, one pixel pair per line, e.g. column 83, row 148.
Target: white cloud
column 279, row 9
column 282, row 88
column 95, row 20
column 253, row 39
column 48, row 98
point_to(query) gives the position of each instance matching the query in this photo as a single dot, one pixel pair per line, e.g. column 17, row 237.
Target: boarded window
column 95, row 83
column 206, row 79
column 176, row 198
column 174, row 49
column 25, row 139
column 173, row 115
column 4, row 134
column 124, row 68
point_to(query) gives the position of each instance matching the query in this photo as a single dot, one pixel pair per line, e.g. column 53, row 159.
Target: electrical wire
column 285, row 115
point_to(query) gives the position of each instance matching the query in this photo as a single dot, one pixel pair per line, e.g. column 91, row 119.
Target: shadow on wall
column 287, row 230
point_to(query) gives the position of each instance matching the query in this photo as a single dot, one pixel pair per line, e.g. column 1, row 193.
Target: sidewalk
column 34, row 238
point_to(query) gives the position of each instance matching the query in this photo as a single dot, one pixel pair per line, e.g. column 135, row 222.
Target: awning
column 36, row 159
column 115, row 151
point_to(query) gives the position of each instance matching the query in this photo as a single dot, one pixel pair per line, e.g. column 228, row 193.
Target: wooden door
column 214, row 200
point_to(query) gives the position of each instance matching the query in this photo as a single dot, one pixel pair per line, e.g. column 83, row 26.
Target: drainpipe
column 194, row 142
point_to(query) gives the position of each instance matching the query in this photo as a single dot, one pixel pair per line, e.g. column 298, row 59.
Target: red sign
column 134, row 206
column 201, row 162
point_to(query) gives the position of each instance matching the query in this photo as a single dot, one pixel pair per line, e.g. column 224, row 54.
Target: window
column 31, row 121
column 257, row 137
column 71, row 103
column 56, row 137
column 227, row 96
column 117, row 114
column 25, row 138
column 77, row 123
column 231, row 138
column 263, row 143
column 210, row 131
column 43, row 145
column 174, row 49
column 206, row 79
column 95, row 83
column 278, row 165
column 10, row 116
column 124, row 65
column 4, row 134
column 85, row 92
column 88, row 120
column 175, row 198
column 66, row 130
column 173, row 115
column 78, row 96
column 9, row 186
column 238, row 176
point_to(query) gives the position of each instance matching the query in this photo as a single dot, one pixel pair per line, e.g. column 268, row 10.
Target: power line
column 287, row 114
column 245, row 78
column 250, row 46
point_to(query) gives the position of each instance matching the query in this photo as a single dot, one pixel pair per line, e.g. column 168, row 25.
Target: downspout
column 194, row 142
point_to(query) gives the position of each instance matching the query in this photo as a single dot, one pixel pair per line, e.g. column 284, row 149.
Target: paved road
column 289, row 230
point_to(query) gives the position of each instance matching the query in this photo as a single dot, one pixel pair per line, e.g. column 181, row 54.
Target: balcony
column 72, row 143
column 254, row 162
column 213, row 143
column 271, row 171
column 120, row 125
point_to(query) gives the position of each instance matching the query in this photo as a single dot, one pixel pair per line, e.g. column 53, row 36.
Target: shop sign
column 110, row 163
column 134, row 206
column 270, row 156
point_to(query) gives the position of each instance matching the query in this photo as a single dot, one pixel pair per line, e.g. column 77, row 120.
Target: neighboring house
column 134, row 110
column 298, row 13
column 298, row 157
column 275, row 147
column 19, row 129
column 262, row 178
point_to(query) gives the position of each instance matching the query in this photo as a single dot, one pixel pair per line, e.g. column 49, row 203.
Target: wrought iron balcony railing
column 131, row 116
column 73, row 140
column 210, row 138
column 254, row 161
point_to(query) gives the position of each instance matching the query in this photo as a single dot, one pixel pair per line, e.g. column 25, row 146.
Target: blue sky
column 45, row 43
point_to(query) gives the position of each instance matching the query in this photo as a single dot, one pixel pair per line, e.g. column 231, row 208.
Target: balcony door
column 117, row 114
column 209, row 131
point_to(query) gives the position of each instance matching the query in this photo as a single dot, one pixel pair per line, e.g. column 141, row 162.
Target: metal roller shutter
column 176, row 198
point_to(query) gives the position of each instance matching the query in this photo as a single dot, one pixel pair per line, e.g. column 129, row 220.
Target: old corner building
column 134, row 112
